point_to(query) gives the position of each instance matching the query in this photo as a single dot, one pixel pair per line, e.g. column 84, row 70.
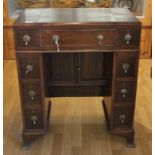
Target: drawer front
column 124, row 91
column 27, row 38
column 122, row 117
column 129, row 37
column 33, row 119
column 32, row 39
column 126, row 65
column 32, row 94
column 29, row 65
column 76, row 38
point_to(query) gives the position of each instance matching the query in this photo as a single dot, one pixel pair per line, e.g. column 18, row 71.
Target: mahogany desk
column 77, row 52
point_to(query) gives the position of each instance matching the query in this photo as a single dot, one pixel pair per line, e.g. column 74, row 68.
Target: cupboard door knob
column 124, row 93
column 29, row 68
column 26, row 39
column 32, row 94
column 122, row 118
column 100, row 39
column 56, row 40
column 125, row 67
column 127, row 38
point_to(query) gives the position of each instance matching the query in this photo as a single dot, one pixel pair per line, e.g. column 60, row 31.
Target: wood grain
column 146, row 35
column 147, row 19
column 77, row 124
column 8, row 35
column 146, row 42
column 9, row 44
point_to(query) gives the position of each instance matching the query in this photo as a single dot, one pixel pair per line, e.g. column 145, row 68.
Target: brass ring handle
column 122, row 118
column 124, row 93
column 26, row 39
column 29, row 68
column 100, row 39
column 32, row 94
column 127, row 38
column 125, row 67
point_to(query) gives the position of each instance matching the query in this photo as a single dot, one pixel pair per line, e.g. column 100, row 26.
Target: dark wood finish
column 125, row 91
column 84, row 37
column 123, row 58
column 32, row 94
column 32, row 60
column 118, row 122
column 69, row 73
column 93, row 67
column 76, row 90
column 61, row 67
column 78, row 38
column 28, row 117
column 34, row 42
column 97, row 56
column 135, row 41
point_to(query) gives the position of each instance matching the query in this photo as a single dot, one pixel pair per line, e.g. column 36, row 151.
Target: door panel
column 93, row 67
column 61, row 67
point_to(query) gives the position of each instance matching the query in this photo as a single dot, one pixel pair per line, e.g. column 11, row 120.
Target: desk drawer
column 32, row 94
column 29, row 65
column 129, row 37
column 33, row 119
column 27, row 39
column 126, row 64
column 122, row 117
column 76, row 38
column 124, row 91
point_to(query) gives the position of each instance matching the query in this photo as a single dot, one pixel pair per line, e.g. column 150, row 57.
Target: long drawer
column 93, row 37
column 76, row 39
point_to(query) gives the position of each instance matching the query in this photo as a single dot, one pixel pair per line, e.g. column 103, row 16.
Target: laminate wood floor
column 77, row 125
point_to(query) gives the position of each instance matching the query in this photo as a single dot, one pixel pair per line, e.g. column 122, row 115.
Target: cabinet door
column 61, row 68
column 93, row 67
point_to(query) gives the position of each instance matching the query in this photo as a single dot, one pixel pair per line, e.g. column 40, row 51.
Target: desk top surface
column 76, row 16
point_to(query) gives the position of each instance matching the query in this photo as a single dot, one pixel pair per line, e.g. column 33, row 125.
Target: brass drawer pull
column 122, row 118
column 100, row 39
column 29, row 68
column 125, row 67
column 26, row 39
column 124, row 93
column 34, row 119
column 32, row 94
column 55, row 40
column 127, row 38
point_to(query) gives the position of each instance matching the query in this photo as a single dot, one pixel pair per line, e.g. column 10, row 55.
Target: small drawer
column 129, row 37
column 122, row 117
column 31, row 94
column 33, row 119
column 29, row 65
column 126, row 64
column 125, row 91
column 27, row 38
column 78, row 38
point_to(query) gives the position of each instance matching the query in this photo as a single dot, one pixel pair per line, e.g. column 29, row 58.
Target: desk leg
column 119, row 107
column 128, row 134
column 35, row 105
